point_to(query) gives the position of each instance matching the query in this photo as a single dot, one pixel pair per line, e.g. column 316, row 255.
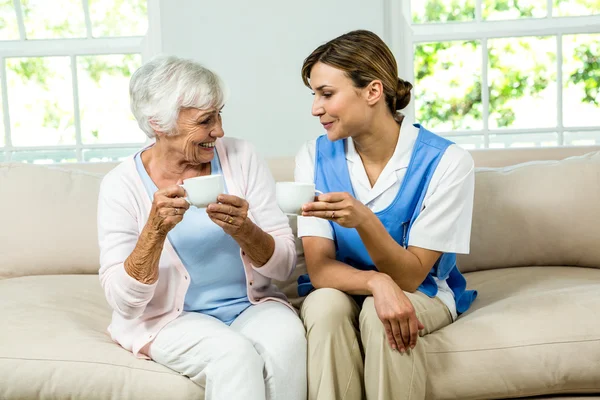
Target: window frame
column 403, row 35
column 71, row 47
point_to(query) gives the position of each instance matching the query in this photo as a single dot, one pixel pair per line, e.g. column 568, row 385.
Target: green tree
column 511, row 83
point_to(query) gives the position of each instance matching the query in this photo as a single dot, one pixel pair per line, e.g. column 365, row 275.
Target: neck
column 163, row 163
column 377, row 145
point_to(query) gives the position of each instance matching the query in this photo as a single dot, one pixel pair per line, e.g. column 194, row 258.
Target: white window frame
column 403, row 35
column 145, row 45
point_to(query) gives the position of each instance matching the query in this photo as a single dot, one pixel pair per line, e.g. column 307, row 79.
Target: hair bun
column 403, row 89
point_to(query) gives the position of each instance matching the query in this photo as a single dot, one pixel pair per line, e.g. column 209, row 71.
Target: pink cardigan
column 140, row 311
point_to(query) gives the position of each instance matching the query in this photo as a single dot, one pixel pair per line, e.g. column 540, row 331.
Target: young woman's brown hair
column 364, row 57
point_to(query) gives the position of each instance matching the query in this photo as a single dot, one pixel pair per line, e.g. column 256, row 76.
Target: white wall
column 258, row 47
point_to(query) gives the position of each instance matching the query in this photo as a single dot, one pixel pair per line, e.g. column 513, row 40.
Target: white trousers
column 262, row 355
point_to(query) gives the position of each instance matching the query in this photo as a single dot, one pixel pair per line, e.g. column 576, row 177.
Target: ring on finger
column 230, row 220
column 230, row 209
column 176, row 210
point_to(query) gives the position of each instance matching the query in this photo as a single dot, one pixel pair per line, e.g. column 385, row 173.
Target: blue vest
column 331, row 175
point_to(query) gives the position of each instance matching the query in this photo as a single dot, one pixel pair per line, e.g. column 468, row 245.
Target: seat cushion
column 531, row 331
column 54, row 344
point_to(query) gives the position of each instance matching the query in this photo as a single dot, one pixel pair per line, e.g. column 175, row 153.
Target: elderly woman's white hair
column 159, row 89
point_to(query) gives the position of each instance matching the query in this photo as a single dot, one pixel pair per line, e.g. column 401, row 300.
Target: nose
column 317, row 109
column 218, row 131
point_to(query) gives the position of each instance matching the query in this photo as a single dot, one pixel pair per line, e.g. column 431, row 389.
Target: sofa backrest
column 539, row 213
column 544, row 213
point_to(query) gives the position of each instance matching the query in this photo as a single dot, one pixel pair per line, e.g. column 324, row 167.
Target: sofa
column 534, row 329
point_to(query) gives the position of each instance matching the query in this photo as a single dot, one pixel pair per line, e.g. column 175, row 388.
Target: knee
column 370, row 322
column 238, row 351
column 327, row 309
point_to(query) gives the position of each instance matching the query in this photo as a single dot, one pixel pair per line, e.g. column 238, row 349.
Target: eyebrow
column 322, row 87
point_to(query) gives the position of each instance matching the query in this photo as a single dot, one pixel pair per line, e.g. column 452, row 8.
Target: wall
column 257, row 47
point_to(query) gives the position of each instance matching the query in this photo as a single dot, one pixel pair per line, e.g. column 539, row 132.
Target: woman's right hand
column 396, row 312
column 168, row 206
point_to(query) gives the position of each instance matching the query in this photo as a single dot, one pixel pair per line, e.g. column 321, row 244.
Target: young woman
column 381, row 242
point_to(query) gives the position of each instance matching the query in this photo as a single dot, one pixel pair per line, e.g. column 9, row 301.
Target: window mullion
column 549, row 6
column 559, row 89
column 5, row 109
column 485, row 92
column 478, row 6
column 20, row 22
column 75, row 84
column 88, row 20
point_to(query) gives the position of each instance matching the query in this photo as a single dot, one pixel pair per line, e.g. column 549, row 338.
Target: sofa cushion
column 531, row 331
column 538, row 213
column 48, row 220
column 54, row 345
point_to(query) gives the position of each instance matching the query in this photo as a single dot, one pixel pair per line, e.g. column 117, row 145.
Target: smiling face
column 197, row 132
column 342, row 108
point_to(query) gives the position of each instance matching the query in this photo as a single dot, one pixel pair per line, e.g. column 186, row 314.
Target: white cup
column 291, row 196
column 203, row 190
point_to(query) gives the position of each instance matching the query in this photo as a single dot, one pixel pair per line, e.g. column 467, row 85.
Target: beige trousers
column 341, row 335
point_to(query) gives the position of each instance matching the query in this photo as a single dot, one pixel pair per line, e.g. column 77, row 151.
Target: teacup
column 202, row 190
column 291, row 196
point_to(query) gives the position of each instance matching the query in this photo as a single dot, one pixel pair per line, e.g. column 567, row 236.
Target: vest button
column 250, row 283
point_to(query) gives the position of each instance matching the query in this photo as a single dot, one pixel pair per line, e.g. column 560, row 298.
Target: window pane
column 522, row 80
column 524, row 140
column 104, row 99
column 48, row 20
column 106, row 155
column 9, row 29
column 448, row 85
column 565, row 8
column 468, row 142
column 582, row 138
column 515, row 9
column 442, row 10
column 45, row 157
column 40, row 95
column 3, row 157
column 118, row 17
column 581, row 80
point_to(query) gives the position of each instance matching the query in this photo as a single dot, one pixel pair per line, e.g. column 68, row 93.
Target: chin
column 334, row 135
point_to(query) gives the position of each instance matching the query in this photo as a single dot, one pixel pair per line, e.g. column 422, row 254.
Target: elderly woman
column 191, row 287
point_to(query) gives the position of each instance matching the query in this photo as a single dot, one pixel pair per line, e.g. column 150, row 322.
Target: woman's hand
column 231, row 214
column 339, row 207
column 168, row 207
column 396, row 312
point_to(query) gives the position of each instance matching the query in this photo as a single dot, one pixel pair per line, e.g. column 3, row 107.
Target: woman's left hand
column 231, row 214
column 339, row 207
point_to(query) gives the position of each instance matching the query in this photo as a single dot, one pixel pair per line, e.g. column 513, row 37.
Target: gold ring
column 176, row 210
column 230, row 220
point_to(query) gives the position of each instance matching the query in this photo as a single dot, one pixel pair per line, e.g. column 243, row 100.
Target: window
column 64, row 75
column 507, row 73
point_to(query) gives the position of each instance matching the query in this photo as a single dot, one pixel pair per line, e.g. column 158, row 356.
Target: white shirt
column 444, row 223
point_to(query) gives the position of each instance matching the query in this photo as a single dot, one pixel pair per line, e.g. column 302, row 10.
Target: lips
column 327, row 125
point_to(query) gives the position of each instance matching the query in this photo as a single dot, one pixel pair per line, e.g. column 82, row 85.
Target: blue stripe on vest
column 332, row 175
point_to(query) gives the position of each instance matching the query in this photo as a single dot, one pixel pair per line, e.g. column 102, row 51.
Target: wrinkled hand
column 397, row 313
column 168, row 207
column 339, row 207
column 231, row 214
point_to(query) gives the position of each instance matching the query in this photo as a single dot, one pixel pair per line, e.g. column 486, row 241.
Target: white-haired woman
column 191, row 288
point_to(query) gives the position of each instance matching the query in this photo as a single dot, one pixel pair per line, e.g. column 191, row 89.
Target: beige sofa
column 535, row 260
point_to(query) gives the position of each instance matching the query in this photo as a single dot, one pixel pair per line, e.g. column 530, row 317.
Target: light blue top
column 211, row 257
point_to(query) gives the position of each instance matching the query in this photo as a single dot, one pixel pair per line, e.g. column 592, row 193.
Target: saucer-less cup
column 203, row 190
column 291, row 196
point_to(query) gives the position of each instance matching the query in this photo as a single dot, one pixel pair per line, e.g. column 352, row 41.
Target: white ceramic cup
column 203, row 190
column 291, row 196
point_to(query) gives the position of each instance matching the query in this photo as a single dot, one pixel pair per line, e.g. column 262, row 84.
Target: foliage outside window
column 64, row 72
column 497, row 89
